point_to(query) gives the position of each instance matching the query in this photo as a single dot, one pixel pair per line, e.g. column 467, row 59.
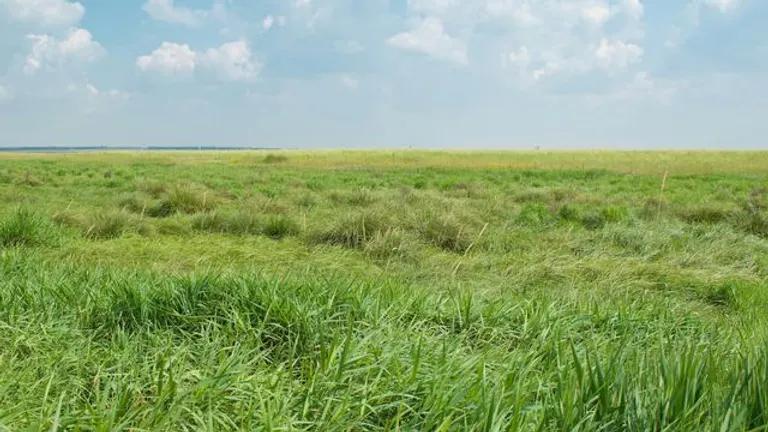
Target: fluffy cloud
column 94, row 92
column 45, row 13
column 168, row 11
column 429, row 37
column 169, row 59
column 596, row 14
column 349, row 82
column 723, row 5
column 634, row 9
column 231, row 61
column 270, row 21
column 48, row 52
column 617, row 54
column 519, row 59
column 561, row 37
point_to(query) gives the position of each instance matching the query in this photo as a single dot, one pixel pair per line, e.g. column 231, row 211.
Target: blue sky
column 385, row 73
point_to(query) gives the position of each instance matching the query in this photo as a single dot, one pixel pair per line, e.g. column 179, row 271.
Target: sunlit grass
column 384, row 291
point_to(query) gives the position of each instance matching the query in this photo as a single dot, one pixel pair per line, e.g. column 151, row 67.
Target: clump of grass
column 360, row 197
column 352, row 230
column 242, row 222
column 245, row 222
column 153, row 188
column 568, row 213
column 186, row 199
column 722, row 295
column 393, row 243
column 274, row 159
column 183, row 199
column 653, row 208
column 25, row 228
column 753, row 217
column 463, row 189
column 107, row 224
column 146, row 229
column 598, row 219
column 531, row 195
column 29, row 179
column 306, row 201
column 100, row 224
column 135, row 203
column 270, row 206
column 173, row 227
column 535, row 215
column 279, row 226
column 160, row 209
column 447, row 232
column 705, row 214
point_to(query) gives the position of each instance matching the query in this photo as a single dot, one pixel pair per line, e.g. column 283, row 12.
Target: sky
column 476, row 74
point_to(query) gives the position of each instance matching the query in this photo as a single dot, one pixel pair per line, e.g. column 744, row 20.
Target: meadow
column 384, row 291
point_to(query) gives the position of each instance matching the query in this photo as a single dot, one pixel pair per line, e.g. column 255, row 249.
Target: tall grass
column 146, row 351
column 25, row 227
column 410, row 291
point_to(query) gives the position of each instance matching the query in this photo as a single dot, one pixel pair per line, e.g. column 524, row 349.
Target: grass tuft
column 352, row 230
column 393, row 243
column 279, row 226
column 100, row 224
column 107, row 224
column 705, row 214
column 242, row 222
column 183, row 199
column 24, row 227
column 274, row 159
column 447, row 232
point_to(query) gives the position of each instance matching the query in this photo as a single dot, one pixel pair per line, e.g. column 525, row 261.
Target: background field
column 384, row 291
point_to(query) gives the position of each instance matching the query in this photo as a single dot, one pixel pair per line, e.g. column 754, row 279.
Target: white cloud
column 432, row 6
column 268, row 22
column 520, row 58
column 169, row 59
column 549, row 68
column 94, row 92
column 642, row 87
column 349, row 82
column 617, row 54
column 168, row 11
column 634, row 8
column 520, row 13
column 231, row 61
column 560, row 37
column 51, row 53
column 723, row 5
column 596, row 14
column 429, row 37
column 45, row 13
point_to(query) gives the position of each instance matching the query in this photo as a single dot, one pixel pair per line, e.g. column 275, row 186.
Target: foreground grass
column 338, row 291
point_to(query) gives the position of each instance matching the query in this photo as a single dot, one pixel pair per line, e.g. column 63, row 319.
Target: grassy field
column 400, row 291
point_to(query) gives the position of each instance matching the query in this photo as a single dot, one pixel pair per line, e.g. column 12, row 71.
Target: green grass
column 384, row 291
